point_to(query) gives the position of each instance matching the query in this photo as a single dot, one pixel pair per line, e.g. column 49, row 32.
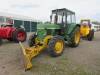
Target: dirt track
column 83, row 60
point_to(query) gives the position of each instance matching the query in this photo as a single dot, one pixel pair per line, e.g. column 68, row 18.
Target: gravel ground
column 83, row 60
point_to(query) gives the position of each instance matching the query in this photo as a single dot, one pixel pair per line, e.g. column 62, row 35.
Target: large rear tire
column 56, row 46
column 31, row 41
column 19, row 35
column 91, row 35
column 75, row 40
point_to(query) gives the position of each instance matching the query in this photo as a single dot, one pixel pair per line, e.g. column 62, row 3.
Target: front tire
column 31, row 41
column 56, row 46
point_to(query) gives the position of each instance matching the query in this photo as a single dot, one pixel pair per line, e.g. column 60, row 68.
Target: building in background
column 96, row 25
column 28, row 23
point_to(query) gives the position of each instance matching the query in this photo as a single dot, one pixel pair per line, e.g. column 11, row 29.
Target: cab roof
column 63, row 11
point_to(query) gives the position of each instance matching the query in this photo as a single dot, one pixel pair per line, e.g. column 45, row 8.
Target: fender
column 6, row 32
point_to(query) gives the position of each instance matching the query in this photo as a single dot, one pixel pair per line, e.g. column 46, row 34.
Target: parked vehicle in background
column 7, row 31
column 86, row 29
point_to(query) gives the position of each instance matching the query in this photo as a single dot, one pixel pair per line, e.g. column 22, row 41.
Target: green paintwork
column 69, row 31
column 42, row 30
column 70, row 28
column 64, row 27
column 47, row 26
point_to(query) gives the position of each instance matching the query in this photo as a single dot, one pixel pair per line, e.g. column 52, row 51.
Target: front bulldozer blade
column 29, row 53
column 27, row 59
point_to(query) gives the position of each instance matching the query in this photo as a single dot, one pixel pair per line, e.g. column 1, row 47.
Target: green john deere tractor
column 53, row 36
column 62, row 24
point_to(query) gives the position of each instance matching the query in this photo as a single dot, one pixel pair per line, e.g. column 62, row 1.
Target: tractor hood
column 48, row 26
column 42, row 29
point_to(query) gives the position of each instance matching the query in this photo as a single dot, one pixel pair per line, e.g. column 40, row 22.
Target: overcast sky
column 41, row 9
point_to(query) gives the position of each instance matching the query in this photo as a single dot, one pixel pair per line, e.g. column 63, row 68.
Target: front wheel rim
column 59, row 46
column 21, row 36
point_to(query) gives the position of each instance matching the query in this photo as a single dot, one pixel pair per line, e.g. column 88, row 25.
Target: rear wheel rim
column 77, row 37
column 59, row 46
column 21, row 36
